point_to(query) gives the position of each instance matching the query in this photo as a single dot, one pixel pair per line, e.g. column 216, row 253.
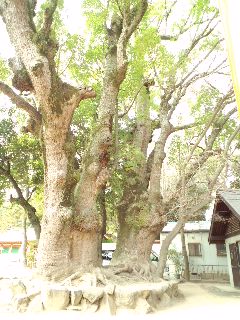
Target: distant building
column 206, row 262
column 11, row 242
column 225, row 230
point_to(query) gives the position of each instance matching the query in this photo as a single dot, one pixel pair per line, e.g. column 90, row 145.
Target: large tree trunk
column 139, row 222
column 140, row 212
column 134, row 245
column 95, row 172
column 103, row 210
column 54, row 245
column 72, row 226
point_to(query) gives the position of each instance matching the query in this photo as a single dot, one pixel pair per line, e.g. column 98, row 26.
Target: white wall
column 209, row 253
column 228, row 242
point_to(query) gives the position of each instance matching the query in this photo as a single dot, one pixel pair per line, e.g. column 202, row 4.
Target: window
column 221, row 249
column 15, row 250
column 5, row 250
column 194, row 249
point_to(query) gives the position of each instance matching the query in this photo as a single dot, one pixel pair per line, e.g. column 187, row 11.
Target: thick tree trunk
column 72, row 226
column 140, row 212
column 87, row 218
column 134, row 245
column 55, row 245
column 186, row 274
column 103, row 210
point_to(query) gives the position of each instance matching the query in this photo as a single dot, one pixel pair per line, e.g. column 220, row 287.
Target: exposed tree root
column 113, row 274
column 141, row 271
column 93, row 277
column 124, row 269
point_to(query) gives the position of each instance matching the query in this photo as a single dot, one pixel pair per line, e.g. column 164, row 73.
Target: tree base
column 103, row 290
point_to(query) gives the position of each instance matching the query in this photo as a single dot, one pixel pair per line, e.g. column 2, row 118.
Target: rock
column 161, row 289
column 143, row 307
column 76, row 296
column 89, row 279
column 144, row 294
column 125, row 298
column 35, row 304
column 54, row 299
column 180, row 294
column 110, row 288
column 153, row 300
column 111, row 305
column 172, row 290
column 88, row 306
column 165, row 300
column 93, row 294
column 93, row 307
column 74, row 308
column 21, row 303
column 108, row 304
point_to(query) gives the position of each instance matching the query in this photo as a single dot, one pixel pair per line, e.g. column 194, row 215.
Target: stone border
column 143, row 297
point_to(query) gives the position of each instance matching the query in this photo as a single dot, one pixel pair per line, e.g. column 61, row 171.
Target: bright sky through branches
column 230, row 18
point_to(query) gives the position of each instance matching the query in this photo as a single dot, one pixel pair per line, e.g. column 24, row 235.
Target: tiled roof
column 232, row 200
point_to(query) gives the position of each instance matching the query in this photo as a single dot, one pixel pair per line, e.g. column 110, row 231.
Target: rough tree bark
column 138, row 215
column 142, row 211
column 72, row 226
column 95, row 169
column 51, row 118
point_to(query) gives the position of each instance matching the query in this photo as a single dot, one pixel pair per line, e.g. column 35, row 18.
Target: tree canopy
column 130, row 121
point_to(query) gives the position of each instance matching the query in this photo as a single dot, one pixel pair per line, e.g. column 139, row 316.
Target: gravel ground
column 201, row 301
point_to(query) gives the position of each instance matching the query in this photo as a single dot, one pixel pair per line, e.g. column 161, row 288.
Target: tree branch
column 20, row 102
column 137, row 14
column 48, row 18
column 16, row 17
column 223, row 158
column 219, row 107
column 131, row 104
column 184, row 126
column 182, row 29
column 20, row 200
column 130, row 22
column 205, row 33
column 200, row 62
column 167, row 12
column 9, row 176
column 86, row 93
column 30, row 193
